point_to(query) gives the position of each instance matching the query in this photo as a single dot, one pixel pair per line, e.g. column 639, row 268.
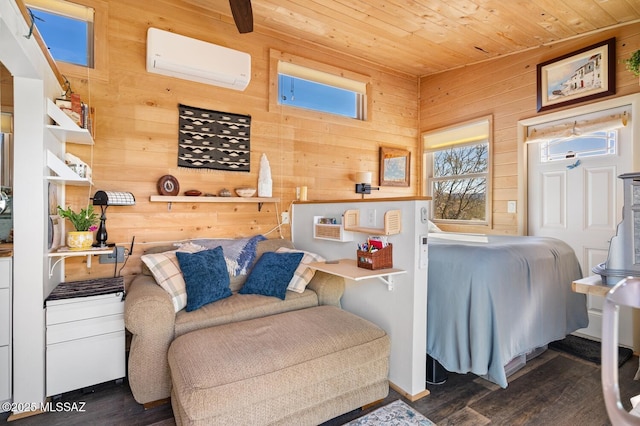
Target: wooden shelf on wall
column 169, row 199
column 392, row 223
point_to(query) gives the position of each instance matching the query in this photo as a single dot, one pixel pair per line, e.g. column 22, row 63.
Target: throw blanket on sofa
column 239, row 253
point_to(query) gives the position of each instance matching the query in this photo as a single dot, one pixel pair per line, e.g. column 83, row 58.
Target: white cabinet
column 5, row 328
column 85, row 336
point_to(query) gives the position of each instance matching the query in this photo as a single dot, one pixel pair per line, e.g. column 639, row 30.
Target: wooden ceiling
column 428, row 36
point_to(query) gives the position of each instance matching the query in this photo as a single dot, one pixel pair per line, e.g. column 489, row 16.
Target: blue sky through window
column 65, row 37
column 307, row 94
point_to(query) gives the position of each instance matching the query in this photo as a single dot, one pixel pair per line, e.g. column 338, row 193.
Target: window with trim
column 311, row 89
column 597, row 143
column 67, row 30
column 457, row 162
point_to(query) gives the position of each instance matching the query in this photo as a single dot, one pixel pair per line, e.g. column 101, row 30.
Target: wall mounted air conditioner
column 190, row 59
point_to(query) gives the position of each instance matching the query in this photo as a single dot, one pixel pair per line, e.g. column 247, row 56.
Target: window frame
column 610, row 136
column 466, row 133
column 67, row 11
column 100, row 69
column 276, row 56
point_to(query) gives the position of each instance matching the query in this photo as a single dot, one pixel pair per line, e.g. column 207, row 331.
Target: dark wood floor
column 554, row 388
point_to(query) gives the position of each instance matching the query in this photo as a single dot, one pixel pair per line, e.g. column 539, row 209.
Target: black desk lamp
column 105, row 199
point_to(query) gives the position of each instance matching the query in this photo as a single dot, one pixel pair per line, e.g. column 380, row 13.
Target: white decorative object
column 264, row 178
column 245, row 192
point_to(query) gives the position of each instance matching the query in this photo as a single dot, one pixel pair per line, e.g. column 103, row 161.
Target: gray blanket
column 489, row 302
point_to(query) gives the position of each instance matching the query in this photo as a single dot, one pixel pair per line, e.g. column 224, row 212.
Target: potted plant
column 633, row 63
column 84, row 222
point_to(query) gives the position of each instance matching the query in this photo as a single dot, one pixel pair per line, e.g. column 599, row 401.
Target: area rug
column 396, row 413
column 589, row 350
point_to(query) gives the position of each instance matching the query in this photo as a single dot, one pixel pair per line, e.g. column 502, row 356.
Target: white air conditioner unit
column 190, row 59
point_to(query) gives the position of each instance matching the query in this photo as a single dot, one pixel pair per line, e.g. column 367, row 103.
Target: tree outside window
column 460, row 182
column 457, row 162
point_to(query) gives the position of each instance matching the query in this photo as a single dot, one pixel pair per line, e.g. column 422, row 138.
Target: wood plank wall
column 6, row 90
column 137, row 119
column 506, row 89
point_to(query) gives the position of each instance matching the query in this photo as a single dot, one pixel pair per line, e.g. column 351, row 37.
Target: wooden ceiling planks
column 423, row 37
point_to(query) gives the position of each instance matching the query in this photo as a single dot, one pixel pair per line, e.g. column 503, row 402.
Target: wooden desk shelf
column 348, row 268
column 591, row 285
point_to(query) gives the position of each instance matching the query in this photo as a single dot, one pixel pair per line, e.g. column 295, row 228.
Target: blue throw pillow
column 271, row 274
column 205, row 276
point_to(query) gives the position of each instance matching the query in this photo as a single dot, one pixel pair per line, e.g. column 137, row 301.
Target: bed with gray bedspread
column 489, row 302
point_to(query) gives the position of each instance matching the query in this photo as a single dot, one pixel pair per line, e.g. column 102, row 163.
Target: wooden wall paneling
column 506, row 88
column 136, row 142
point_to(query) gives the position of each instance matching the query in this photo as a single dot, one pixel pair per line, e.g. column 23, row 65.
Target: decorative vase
column 264, row 178
column 79, row 240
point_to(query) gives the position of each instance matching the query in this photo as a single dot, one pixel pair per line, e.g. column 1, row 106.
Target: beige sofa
column 151, row 319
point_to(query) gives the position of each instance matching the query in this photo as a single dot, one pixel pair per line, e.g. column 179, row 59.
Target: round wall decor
column 168, row 185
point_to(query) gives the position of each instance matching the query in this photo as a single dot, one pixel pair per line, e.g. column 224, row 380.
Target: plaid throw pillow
column 303, row 274
column 165, row 268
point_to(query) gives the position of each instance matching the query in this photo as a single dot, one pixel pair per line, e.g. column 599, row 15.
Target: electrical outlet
column 511, row 206
column 111, row 258
column 371, row 217
column 285, row 217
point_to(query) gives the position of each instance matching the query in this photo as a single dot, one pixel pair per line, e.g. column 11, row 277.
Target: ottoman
column 299, row 367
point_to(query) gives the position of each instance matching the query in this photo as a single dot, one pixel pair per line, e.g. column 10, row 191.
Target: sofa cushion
column 262, row 247
column 205, row 275
column 303, row 273
column 293, row 360
column 155, row 250
column 271, row 274
column 165, row 268
column 240, row 307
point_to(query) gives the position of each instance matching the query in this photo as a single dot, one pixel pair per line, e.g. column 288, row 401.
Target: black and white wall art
column 213, row 140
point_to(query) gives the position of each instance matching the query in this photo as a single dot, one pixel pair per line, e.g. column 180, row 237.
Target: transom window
column 598, row 143
column 67, row 30
column 311, row 89
column 458, row 163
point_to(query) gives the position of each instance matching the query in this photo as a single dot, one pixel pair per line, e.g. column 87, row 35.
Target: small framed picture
column 394, row 166
column 579, row 76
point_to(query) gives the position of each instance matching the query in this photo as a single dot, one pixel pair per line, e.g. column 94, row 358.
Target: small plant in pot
column 84, row 222
column 633, row 63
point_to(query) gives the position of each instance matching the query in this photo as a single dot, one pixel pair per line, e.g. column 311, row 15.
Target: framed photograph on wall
column 579, row 76
column 394, row 166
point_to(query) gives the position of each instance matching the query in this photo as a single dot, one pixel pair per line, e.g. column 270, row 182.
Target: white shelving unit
column 330, row 231
column 66, row 131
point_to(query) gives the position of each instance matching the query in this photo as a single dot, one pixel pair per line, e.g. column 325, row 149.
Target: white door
column 579, row 200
